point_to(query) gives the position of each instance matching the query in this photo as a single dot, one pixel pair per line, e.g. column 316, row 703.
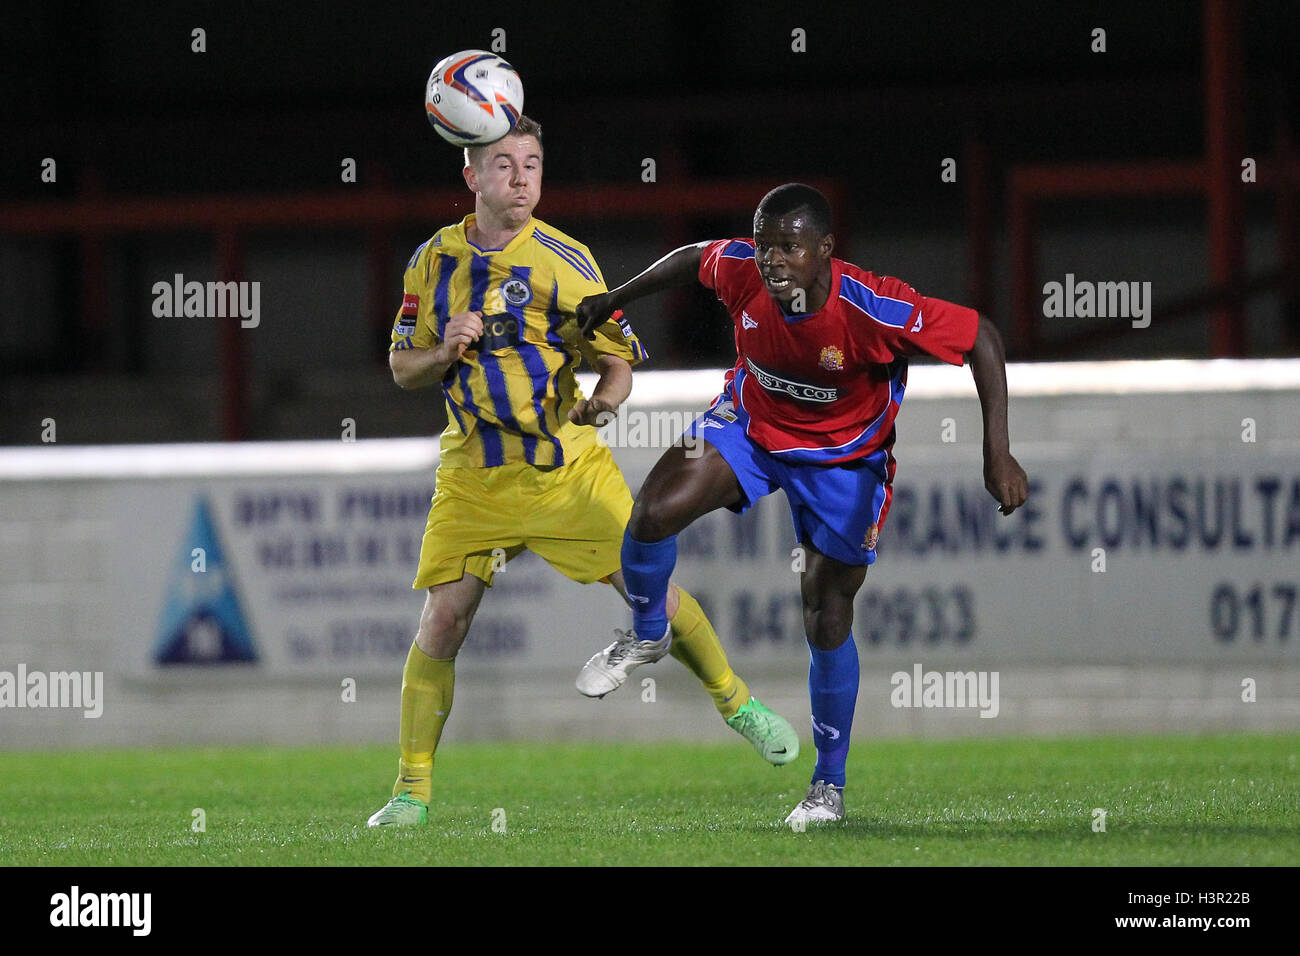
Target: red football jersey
column 825, row 387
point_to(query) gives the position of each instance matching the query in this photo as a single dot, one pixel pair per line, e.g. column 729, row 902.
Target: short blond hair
column 526, row 126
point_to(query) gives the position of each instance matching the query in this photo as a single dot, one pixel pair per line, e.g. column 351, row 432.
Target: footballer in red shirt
column 822, row 348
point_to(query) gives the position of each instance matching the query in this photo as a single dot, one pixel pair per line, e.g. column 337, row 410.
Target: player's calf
column 827, row 589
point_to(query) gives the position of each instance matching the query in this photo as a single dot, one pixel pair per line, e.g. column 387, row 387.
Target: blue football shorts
column 838, row 509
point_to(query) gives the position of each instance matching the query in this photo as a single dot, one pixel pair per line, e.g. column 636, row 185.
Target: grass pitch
column 1206, row 801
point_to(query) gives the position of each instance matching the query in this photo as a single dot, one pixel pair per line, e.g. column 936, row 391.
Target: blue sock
column 646, row 570
column 833, row 693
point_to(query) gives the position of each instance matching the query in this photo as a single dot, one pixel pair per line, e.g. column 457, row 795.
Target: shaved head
column 796, row 197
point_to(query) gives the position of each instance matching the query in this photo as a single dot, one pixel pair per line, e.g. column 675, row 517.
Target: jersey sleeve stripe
column 568, row 256
column 582, row 262
column 738, row 250
column 879, row 308
column 574, row 249
column 416, row 254
column 572, row 260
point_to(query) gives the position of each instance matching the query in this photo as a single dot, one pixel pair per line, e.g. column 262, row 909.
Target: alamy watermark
column 75, row 908
column 636, row 428
column 208, row 300
column 56, row 689
column 1085, row 299
column 922, row 688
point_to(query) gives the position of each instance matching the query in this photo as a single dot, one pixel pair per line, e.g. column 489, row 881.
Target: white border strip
column 214, row 459
column 685, row 389
column 1163, row 376
column 1024, row 379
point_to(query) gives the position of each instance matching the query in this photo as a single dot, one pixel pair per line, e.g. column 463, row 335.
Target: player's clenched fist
column 593, row 411
column 593, row 311
column 1006, row 481
column 463, row 330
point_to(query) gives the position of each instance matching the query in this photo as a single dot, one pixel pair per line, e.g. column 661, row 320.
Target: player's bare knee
column 653, row 520
column 441, row 642
column 827, row 623
column 442, row 631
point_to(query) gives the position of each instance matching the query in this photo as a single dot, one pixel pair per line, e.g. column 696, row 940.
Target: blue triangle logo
column 202, row 622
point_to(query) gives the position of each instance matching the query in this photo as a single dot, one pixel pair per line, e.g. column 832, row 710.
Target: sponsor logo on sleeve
column 410, row 310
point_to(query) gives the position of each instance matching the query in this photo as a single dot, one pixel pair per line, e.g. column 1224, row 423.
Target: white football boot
column 823, row 804
column 608, row 669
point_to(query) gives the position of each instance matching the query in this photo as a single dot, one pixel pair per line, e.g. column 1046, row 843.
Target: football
column 473, row 98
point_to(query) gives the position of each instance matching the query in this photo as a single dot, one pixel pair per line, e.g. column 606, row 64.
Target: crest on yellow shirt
column 516, row 291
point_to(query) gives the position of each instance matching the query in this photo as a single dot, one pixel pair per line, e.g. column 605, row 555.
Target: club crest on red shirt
column 832, row 359
column 873, row 535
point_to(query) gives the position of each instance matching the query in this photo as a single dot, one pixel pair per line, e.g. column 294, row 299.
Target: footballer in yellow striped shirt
column 488, row 314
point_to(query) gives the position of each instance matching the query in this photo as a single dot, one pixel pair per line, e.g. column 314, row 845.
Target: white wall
column 316, row 543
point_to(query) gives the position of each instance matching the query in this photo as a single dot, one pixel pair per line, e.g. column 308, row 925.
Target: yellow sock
column 427, row 685
column 695, row 644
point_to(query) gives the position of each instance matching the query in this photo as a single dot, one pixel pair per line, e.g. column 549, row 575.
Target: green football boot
column 769, row 732
column 403, row 811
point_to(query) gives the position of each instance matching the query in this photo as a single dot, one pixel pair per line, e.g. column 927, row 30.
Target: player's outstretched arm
column 679, row 267
column 420, row 368
column 1003, row 476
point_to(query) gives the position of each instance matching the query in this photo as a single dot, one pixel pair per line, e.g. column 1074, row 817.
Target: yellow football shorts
column 573, row 516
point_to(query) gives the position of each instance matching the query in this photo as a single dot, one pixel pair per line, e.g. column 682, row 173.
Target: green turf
column 1228, row 800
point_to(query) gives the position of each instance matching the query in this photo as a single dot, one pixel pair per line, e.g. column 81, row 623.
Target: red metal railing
column 1218, row 178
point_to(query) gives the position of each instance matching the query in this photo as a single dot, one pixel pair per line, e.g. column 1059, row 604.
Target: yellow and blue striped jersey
column 508, row 399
